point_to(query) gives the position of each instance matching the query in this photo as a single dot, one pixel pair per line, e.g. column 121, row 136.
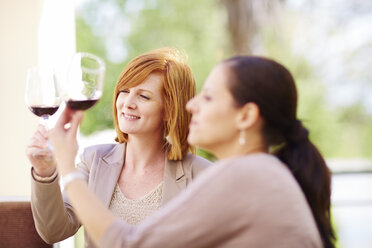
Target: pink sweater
column 251, row 201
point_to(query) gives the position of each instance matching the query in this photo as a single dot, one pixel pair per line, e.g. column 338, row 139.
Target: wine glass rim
column 100, row 62
column 42, row 68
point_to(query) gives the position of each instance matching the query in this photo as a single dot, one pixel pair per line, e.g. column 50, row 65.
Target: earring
column 242, row 138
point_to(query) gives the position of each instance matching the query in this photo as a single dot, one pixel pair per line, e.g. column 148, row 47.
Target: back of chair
column 17, row 228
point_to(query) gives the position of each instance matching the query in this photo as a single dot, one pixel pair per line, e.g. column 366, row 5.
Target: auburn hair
column 178, row 88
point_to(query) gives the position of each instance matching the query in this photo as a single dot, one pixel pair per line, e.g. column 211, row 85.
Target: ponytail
column 310, row 170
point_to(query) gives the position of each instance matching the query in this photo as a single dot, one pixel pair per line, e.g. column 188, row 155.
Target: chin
column 196, row 141
column 193, row 140
column 190, row 140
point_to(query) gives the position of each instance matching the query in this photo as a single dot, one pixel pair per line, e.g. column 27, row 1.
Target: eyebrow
column 143, row 90
column 140, row 90
column 207, row 90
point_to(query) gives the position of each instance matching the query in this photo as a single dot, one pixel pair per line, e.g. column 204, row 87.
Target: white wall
column 20, row 49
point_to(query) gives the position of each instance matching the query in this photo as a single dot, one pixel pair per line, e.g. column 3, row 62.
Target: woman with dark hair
column 283, row 130
column 270, row 188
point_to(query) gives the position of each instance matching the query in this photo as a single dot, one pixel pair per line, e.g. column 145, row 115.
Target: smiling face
column 140, row 109
column 213, row 125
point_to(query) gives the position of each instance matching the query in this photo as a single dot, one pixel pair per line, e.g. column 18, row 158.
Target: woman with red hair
column 150, row 163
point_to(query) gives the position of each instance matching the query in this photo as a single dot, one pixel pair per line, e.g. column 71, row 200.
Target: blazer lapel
column 174, row 179
column 108, row 172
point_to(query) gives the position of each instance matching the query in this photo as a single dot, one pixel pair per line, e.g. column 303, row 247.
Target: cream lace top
column 133, row 211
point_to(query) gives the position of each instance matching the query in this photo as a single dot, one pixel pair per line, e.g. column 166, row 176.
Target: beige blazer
column 54, row 217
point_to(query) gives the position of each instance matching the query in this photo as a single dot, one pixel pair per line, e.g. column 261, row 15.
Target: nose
column 129, row 102
column 126, row 100
column 191, row 105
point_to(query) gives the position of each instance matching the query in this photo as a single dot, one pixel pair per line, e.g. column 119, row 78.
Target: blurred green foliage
column 337, row 131
column 196, row 27
column 199, row 29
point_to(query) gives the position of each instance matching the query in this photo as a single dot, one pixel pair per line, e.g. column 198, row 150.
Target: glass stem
column 44, row 121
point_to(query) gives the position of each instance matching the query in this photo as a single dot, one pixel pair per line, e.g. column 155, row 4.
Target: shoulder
column 256, row 165
column 254, row 162
column 195, row 164
column 95, row 152
column 99, row 149
column 263, row 170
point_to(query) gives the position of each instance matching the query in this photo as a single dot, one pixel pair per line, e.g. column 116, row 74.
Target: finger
column 77, row 117
column 37, row 154
column 41, row 129
column 43, row 137
column 64, row 118
column 37, row 142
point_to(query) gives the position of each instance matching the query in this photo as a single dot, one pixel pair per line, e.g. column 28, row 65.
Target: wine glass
column 42, row 96
column 84, row 81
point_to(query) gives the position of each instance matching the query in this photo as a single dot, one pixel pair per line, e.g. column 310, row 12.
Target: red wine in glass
column 81, row 104
column 43, row 110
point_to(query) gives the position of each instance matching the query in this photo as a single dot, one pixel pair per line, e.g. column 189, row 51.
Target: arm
column 93, row 214
column 229, row 205
column 201, row 208
column 90, row 210
column 54, row 219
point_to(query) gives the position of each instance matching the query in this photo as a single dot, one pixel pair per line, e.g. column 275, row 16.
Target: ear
column 248, row 116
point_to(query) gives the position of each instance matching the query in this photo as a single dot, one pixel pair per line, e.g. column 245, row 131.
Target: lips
column 130, row 117
column 192, row 123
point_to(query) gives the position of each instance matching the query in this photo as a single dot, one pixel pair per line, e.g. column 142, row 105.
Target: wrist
column 45, row 172
column 44, row 179
column 73, row 175
column 65, row 171
column 65, row 165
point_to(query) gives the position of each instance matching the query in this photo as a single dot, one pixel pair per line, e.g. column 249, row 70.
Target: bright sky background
column 336, row 37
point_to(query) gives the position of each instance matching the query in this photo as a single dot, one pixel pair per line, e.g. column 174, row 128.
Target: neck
column 144, row 153
column 252, row 145
column 241, row 151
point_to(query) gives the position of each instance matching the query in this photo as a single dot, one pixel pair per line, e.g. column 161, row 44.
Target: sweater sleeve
column 54, row 217
column 238, row 203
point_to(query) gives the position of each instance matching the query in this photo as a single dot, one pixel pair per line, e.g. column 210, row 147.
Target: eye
column 124, row 91
column 145, row 97
column 207, row 97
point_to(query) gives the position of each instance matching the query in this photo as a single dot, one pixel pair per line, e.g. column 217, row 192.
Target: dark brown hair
column 271, row 86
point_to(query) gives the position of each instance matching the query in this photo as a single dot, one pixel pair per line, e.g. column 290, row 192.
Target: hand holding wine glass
column 43, row 99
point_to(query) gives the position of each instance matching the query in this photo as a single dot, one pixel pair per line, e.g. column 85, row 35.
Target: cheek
column 206, row 126
column 214, row 126
column 160, row 116
column 211, row 117
column 119, row 106
column 119, row 102
column 153, row 113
